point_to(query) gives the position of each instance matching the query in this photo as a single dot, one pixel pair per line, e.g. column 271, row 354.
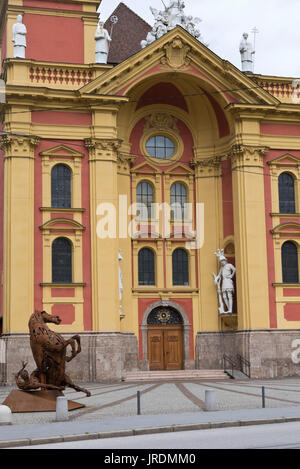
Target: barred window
column 286, row 187
column 61, row 261
column 178, row 201
column 146, row 267
column 144, row 196
column 180, row 267
column 61, row 186
column 290, row 270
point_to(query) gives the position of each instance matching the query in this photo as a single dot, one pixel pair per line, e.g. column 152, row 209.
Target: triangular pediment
column 179, row 169
column 61, row 151
column 145, row 167
column 179, row 52
column 285, row 160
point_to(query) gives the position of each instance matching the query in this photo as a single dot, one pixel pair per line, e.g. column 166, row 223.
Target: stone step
column 173, row 375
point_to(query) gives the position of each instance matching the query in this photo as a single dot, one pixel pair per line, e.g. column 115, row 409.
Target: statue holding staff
column 224, row 283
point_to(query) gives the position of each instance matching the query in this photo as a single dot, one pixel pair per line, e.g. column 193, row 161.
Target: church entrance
column 165, row 339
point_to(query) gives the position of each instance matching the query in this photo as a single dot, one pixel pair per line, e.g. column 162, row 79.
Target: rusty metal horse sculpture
column 49, row 351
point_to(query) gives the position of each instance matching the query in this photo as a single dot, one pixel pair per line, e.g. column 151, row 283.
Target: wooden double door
column 165, row 347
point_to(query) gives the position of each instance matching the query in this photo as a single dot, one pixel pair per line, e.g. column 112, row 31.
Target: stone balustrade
column 49, row 74
column 285, row 90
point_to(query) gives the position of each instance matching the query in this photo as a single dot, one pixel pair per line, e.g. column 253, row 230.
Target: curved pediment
column 288, row 229
column 62, row 224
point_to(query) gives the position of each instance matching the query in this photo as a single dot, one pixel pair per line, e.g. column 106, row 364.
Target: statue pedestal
column 36, row 401
column 229, row 321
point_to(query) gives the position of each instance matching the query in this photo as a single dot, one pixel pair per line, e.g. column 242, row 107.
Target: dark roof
column 127, row 34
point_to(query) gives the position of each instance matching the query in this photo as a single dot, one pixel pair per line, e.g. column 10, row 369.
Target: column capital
column 19, row 146
column 247, row 156
column 103, row 149
column 124, row 162
column 207, row 167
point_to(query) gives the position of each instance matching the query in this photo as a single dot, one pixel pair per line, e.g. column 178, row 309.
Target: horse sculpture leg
column 68, row 382
column 72, row 342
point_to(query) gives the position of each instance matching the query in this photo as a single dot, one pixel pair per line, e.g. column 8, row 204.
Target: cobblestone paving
column 120, row 400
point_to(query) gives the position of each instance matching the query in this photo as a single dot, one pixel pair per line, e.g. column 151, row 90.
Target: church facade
column 211, row 154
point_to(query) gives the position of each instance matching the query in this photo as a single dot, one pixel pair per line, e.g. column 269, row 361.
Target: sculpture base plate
column 36, row 401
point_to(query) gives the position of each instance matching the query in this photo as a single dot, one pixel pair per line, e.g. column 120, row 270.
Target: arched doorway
column 165, row 339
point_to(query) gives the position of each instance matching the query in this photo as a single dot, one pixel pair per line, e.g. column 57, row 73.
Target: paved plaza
column 112, row 408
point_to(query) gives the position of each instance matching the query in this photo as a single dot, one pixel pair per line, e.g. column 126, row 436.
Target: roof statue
column 247, row 53
column 102, row 39
column 172, row 16
column 19, row 32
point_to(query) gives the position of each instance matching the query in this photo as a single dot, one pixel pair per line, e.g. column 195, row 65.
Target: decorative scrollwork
column 164, row 316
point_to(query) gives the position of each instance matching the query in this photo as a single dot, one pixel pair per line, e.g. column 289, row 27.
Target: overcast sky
column 225, row 21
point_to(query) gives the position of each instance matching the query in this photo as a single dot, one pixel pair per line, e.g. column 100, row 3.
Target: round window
column 160, row 147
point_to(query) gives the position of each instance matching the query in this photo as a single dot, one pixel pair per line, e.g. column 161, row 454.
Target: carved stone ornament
column 247, row 156
column 102, row 148
column 165, row 20
column 125, row 161
column 18, row 145
column 160, row 121
column 176, row 54
column 205, row 167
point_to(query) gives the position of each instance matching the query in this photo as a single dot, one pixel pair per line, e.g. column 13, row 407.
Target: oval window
column 160, row 147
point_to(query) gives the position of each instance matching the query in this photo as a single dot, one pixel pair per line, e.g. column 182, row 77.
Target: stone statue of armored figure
column 19, row 32
column 247, row 53
column 103, row 41
column 224, row 283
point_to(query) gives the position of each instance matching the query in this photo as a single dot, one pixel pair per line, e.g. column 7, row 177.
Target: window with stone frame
column 61, row 261
column 290, row 266
column 145, row 200
column 180, row 267
column 61, row 186
column 146, row 267
column 178, row 199
column 286, row 189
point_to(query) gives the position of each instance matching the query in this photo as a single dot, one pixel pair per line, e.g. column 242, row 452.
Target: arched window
column 289, row 256
column 61, row 186
column 146, row 267
column 144, row 196
column 180, row 267
column 178, row 201
column 61, row 261
column 286, row 189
